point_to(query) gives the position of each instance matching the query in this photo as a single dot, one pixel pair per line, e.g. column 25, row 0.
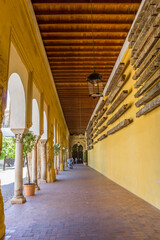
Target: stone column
column 58, row 164
column 18, row 185
column 43, row 161
column 66, row 165
column 55, row 162
column 61, row 160
column 34, row 164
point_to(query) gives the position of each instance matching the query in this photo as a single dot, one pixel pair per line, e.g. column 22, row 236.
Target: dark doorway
column 77, row 153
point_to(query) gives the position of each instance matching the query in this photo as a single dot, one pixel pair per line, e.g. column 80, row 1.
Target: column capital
column 19, row 137
column 19, row 134
column 43, row 141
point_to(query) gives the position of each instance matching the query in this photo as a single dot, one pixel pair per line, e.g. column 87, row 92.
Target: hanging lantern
column 94, row 80
column 95, row 85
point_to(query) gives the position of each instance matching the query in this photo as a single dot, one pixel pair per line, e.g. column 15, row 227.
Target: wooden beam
column 121, row 125
column 65, row 10
column 148, row 46
column 80, row 68
column 155, row 91
column 95, row 130
column 146, row 26
column 101, row 113
column 101, row 129
column 102, row 137
column 79, row 54
column 150, row 36
column 147, row 19
column 101, row 105
column 95, row 135
column 100, row 2
column 90, row 135
column 152, row 68
column 118, row 101
column 149, row 58
column 118, row 114
column 115, row 77
column 138, row 20
column 80, row 36
column 149, row 107
column 90, row 148
column 86, row 43
column 81, row 28
column 148, row 84
column 101, row 122
column 81, row 48
column 116, row 89
column 70, row 64
column 84, row 59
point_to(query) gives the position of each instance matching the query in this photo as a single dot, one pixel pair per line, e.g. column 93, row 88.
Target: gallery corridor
column 82, row 204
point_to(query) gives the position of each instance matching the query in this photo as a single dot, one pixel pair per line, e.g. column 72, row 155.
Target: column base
column 66, row 165
column 2, row 230
column 61, row 167
column 18, row 200
column 54, row 177
column 42, row 181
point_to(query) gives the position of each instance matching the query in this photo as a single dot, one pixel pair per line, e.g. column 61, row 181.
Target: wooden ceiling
column 66, row 31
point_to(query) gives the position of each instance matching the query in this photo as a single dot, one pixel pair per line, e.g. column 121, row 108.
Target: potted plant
column 28, row 144
column 57, row 147
column 85, row 158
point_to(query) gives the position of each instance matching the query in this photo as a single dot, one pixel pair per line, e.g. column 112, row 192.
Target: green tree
column 57, row 147
column 28, row 144
column 8, row 149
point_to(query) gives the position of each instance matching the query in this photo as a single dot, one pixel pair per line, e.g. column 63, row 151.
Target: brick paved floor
column 83, row 204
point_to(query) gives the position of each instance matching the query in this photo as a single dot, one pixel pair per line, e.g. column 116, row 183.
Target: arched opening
column 44, row 136
column 77, row 153
column 17, row 102
column 14, row 118
column 35, row 118
column 14, row 122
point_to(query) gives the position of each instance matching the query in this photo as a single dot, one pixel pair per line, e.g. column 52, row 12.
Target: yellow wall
column 131, row 157
column 19, row 28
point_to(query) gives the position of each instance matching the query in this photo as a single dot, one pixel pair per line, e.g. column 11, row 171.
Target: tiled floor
column 83, row 204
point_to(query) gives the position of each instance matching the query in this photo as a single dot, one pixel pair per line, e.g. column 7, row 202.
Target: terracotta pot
column 56, row 171
column 29, row 189
column 85, row 163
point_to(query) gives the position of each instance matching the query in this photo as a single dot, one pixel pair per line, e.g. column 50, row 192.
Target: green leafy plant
column 85, row 156
column 64, row 152
column 57, row 147
column 8, row 149
column 28, row 144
